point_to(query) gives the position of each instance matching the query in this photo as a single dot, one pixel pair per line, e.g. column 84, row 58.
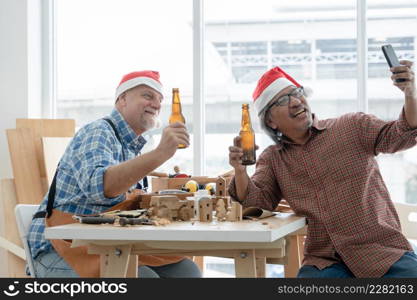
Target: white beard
column 153, row 123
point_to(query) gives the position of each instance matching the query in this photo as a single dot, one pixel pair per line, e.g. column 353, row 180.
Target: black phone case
column 391, row 58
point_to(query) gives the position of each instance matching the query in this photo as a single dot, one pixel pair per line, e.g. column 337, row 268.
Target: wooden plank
column 26, row 172
column 46, row 128
column 3, row 252
column 53, row 149
column 12, row 247
column 16, row 265
column 49, row 127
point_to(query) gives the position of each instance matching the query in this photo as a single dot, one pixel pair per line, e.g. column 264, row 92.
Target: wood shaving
column 161, row 221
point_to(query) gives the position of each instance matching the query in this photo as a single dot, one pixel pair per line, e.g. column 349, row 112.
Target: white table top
column 265, row 230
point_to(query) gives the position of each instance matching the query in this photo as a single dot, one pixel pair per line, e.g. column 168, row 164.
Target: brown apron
column 88, row 265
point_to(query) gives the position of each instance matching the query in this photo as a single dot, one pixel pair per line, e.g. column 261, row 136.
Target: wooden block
column 234, row 213
column 205, row 209
column 145, row 199
column 53, row 149
column 221, row 187
column 26, row 172
column 46, row 128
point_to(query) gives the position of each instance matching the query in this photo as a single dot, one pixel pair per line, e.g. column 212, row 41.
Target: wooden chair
column 408, row 218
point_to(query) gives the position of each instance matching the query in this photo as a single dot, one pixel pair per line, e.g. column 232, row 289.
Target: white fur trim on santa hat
column 308, row 91
column 274, row 88
column 127, row 85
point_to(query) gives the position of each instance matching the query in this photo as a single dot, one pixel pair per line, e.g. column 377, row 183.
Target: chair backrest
column 408, row 218
column 24, row 214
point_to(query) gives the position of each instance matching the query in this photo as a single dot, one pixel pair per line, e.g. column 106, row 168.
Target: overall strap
column 117, row 135
column 51, row 199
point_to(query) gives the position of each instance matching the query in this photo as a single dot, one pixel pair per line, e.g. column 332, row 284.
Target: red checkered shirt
column 335, row 182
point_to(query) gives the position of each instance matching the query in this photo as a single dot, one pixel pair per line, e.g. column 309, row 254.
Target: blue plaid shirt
column 79, row 182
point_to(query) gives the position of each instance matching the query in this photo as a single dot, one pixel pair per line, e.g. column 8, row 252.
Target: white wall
column 20, row 73
column 20, row 68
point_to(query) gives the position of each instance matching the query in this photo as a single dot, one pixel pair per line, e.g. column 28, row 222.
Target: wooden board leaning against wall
column 30, row 183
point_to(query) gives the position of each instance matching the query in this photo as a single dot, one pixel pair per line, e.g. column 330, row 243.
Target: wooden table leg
column 132, row 267
column 245, row 264
column 199, row 261
column 294, row 262
column 261, row 267
column 115, row 262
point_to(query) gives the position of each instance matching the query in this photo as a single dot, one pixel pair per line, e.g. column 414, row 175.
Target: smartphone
column 391, row 58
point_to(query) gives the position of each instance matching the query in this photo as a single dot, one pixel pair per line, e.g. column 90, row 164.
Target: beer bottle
column 176, row 115
column 247, row 136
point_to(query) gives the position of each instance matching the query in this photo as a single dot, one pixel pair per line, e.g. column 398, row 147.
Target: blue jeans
column 405, row 267
column 50, row 264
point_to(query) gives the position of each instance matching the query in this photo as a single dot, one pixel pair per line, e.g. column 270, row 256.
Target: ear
column 270, row 122
column 122, row 99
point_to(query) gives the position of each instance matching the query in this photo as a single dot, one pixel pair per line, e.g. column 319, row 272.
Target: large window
column 395, row 25
column 100, row 41
column 316, row 47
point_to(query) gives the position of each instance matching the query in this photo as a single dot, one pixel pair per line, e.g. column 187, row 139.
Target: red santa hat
column 270, row 84
column 131, row 80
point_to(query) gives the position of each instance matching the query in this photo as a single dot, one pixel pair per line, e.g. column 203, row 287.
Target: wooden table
column 249, row 242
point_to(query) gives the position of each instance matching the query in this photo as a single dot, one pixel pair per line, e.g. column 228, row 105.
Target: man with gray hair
column 327, row 172
column 99, row 168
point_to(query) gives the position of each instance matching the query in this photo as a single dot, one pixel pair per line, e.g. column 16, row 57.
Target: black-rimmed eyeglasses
column 285, row 99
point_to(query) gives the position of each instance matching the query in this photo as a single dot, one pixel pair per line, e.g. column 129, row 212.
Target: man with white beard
column 100, row 165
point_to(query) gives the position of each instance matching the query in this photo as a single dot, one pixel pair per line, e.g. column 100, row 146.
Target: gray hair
column 274, row 134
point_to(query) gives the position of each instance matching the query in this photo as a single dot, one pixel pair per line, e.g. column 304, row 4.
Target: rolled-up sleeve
column 379, row 136
column 90, row 161
column 263, row 190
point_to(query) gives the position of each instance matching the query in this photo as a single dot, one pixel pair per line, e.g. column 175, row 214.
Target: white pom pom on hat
column 270, row 84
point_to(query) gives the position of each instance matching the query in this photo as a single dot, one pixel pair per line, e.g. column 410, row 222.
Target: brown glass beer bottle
column 176, row 115
column 247, row 136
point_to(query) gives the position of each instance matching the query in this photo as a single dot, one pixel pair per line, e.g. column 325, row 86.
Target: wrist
column 410, row 93
column 161, row 155
column 241, row 170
